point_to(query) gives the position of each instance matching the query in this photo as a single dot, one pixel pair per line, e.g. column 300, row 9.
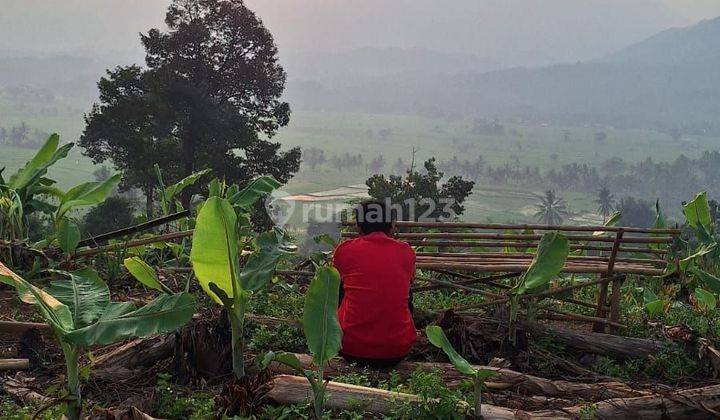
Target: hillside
column 669, row 81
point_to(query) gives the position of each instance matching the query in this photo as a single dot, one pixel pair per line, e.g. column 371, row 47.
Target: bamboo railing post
column 602, row 296
column 615, row 304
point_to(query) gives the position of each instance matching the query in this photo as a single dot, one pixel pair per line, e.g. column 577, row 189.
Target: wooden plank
column 519, row 237
column 600, row 312
column 497, row 226
column 14, row 364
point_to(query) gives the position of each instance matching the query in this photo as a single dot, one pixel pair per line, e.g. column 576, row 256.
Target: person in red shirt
column 375, row 299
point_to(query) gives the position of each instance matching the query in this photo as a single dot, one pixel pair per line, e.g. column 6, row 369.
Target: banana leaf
column 37, row 167
column 708, row 280
column 164, row 314
column 175, row 189
column 68, row 235
column 705, row 299
column 144, row 274
column 320, row 321
column 437, row 337
column 256, row 189
column 697, row 215
column 214, row 252
column 51, row 309
column 84, row 293
column 260, row 267
column 549, row 260
column 87, row 194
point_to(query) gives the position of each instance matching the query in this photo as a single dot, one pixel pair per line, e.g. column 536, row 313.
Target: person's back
column 374, row 314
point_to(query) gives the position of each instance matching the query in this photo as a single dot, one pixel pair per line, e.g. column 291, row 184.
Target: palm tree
column 551, row 209
column 605, row 202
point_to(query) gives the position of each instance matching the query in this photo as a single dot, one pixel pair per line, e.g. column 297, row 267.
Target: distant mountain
column 677, row 47
column 669, row 81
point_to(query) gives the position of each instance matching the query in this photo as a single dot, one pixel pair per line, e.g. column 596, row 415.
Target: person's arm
column 336, row 263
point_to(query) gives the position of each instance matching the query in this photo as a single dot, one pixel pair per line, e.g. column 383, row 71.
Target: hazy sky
column 518, row 31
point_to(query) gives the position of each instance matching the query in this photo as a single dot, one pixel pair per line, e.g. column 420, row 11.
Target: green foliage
column 423, row 192
column 322, row 333
column 172, row 404
column 320, row 322
column 168, row 194
column 549, row 260
column 705, row 300
column 437, row 337
column 68, row 235
column 81, row 314
column 145, row 274
column 86, row 194
column 221, row 232
column 18, row 195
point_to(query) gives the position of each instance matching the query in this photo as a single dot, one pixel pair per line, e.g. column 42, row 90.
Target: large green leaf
column 51, row 309
column 690, row 260
column 256, row 189
column 175, row 189
column 651, row 303
column 165, row 314
column 705, row 299
column 84, row 293
column 214, row 253
column 288, row 359
column 87, row 194
column 144, row 274
column 549, row 260
column 37, row 166
column 270, row 248
column 437, row 337
column 708, row 280
column 68, row 235
column 660, row 223
column 697, row 214
column 320, row 320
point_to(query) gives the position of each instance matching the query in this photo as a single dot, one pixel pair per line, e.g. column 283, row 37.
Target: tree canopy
column 210, row 97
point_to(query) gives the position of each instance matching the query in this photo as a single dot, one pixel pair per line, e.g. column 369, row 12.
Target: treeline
column 671, row 182
column 22, row 135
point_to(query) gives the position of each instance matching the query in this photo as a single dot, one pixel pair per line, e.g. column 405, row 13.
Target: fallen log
column 615, row 346
column 288, row 389
column 14, row 364
column 19, row 328
column 697, row 403
column 504, row 379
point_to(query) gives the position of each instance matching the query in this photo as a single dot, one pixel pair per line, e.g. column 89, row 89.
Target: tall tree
column 551, row 209
column 605, row 202
column 209, row 97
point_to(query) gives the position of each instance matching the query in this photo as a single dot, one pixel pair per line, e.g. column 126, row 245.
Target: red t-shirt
column 376, row 273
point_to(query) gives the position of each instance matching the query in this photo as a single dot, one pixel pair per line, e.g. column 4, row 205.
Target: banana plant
column 19, row 194
column 222, row 233
column 168, row 194
column 322, row 333
column 81, row 314
column 67, row 233
column 437, row 337
column 698, row 264
column 549, row 260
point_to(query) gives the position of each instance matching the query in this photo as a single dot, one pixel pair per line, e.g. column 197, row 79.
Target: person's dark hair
column 374, row 216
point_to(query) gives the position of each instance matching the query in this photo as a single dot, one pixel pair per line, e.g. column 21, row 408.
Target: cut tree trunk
column 14, row 364
column 127, row 360
column 18, row 328
column 504, row 379
column 288, row 389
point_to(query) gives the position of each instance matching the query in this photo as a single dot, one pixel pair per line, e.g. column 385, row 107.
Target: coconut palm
column 551, row 209
column 605, row 202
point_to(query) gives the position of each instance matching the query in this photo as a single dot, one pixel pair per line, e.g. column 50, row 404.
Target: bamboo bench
column 609, row 251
